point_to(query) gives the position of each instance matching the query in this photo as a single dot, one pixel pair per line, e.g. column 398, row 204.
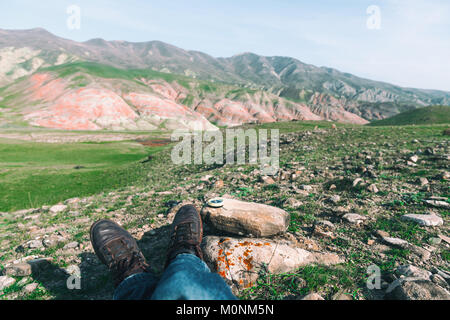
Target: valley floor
column 318, row 184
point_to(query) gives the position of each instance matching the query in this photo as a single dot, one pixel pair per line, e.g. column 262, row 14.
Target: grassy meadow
column 35, row 174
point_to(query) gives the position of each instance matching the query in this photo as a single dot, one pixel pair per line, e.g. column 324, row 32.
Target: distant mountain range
column 153, row 77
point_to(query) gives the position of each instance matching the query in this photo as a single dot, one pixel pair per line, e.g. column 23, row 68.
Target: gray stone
column 439, row 280
column 429, row 220
column 423, row 181
column 341, row 296
column 58, row 208
column 206, row 178
column 335, row 199
column 18, row 270
column 354, row 218
column 443, row 274
column 240, row 261
column 445, row 238
column 373, row 188
column 435, row 241
column 403, row 244
column 445, row 175
column 416, row 289
column 293, row 203
column 396, row 242
column 381, row 234
column 246, row 218
column 6, row 281
column 306, row 188
column 411, row 164
column 34, row 244
column 71, row 245
column 327, row 225
column 437, row 203
column 29, row 288
column 267, row 180
column 357, row 181
column 53, row 241
column 412, row 271
column 313, row 296
column 414, row 158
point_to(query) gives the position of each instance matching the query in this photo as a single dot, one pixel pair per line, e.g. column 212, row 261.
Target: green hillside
column 34, row 174
column 426, row 115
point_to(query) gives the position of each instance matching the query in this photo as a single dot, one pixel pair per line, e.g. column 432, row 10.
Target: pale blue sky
column 412, row 48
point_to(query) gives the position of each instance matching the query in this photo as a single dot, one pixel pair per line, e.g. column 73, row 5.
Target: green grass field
column 36, row 174
column 428, row 115
column 141, row 194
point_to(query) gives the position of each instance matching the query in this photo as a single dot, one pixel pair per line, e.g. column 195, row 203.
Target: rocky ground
column 350, row 198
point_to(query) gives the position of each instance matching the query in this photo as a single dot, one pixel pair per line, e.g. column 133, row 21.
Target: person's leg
column 188, row 278
column 186, row 275
column 118, row 250
column 138, row 286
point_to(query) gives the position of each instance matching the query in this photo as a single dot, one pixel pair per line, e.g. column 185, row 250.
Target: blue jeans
column 186, row 278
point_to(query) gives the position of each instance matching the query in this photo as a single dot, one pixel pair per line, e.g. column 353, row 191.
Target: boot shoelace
column 125, row 260
column 184, row 233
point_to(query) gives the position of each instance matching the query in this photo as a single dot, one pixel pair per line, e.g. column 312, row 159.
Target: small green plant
column 446, row 255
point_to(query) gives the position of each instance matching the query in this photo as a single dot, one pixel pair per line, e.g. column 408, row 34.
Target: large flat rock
column 429, row 220
column 246, row 218
column 410, row 288
column 240, row 261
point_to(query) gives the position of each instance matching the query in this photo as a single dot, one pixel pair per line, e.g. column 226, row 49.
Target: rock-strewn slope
column 360, row 197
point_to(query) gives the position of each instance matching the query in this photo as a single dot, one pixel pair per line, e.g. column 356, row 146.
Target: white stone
column 34, row 244
column 240, row 260
column 357, row 181
column 71, row 245
column 437, row 203
column 412, row 271
column 414, row 158
column 247, row 218
column 396, row 242
column 429, row 220
column 30, row 287
column 6, row 282
column 58, row 208
column 306, row 188
column 335, row 198
column 354, row 218
column 313, row 296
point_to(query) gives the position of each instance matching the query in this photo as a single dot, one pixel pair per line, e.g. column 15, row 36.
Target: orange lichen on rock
column 225, row 258
column 248, row 263
column 223, row 241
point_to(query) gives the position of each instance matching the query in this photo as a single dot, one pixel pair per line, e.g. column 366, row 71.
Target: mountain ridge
column 327, row 92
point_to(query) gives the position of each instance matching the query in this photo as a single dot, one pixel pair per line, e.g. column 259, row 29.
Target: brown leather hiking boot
column 118, row 250
column 186, row 233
